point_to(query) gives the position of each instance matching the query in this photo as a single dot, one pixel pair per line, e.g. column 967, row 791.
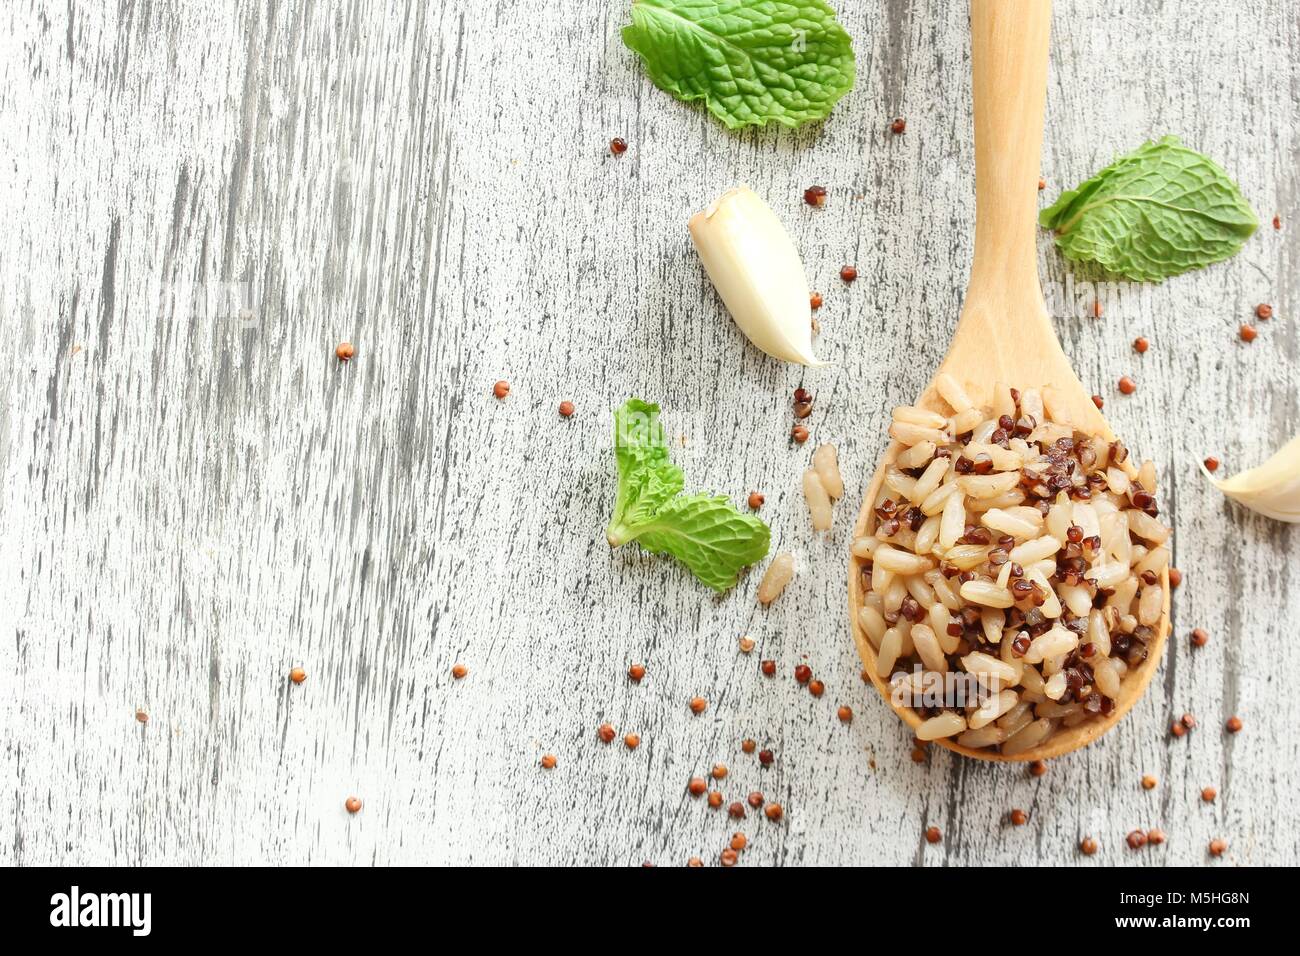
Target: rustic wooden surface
column 198, row 499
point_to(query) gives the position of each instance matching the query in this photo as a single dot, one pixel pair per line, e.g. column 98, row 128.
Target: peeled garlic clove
column 757, row 271
column 1272, row 489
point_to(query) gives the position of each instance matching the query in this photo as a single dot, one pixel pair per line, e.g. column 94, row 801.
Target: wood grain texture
column 198, row 499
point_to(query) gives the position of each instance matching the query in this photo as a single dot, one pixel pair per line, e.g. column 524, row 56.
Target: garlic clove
column 757, row 272
column 1272, row 489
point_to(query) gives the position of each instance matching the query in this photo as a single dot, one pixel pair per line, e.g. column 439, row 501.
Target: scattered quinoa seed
column 736, row 811
column 566, row 408
column 1098, row 401
column 1208, row 794
column 1277, row 222
column 748, row 745
column 1140, row 345
column 769, row 668
column 1200, row 637
column 1217, row 847
column 765, row 757
column 142, row 716
column 344, row 351
column 1188, row 721
column 746, row 644
column 1042, row 184
column 698, row 705
column 755, row 799
column 632, row 741
column 697, row 787
column 548, row 761
column 1038, row 768
column 352, row 804
column 799, row 433
column 816, row 688
column 1148, row 782
column 815, row 300
column 606, row 733
column 1211, row 464
column 695, row 861
column 1018, row 817
column 1177, row 729
column 729, row 857
column 1233, row 725
column 297, row 675
column 1096, row 308
column 1087, row 846
column 719, row 771
column 1264, row 311
column 756, row 500
column 932, row 835
column 501, row 389
column 1175, row 577
column 618, row 146
column 1127, row 386
column 1136, row 840
column 815, row 195
column 1156, row 837
column 1247, row 332
column 773, row 812
column 459, row 670
column 715, row 799
column 845, row 713
column 848, row 273
column 898, row 126
column 738, row 841
column 636, row 672
column 802, row 673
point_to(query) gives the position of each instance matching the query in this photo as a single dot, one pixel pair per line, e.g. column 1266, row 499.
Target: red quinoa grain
column 729, row 857
column 1127, row 386
column 802, row 673
column 933, row 835
column 765, row 757
column 773, row 812
column 566, row 408
column 1018, row 817
column 632, row 741
column 698, row 705
column 799, row 433
column 738, row 841
column 459, row 671
column 1211, row 464
column 1038, row 768
column 1136, row 840
column 1263, row 311
column 1217, row 847
column 1247, row 332
column 769, row 668
column 1087, row 846
column 1277, row 222
column 756, row 500
column 636, row 672
column 142, row 716
column 736, row 811
column 1148, row 782
column 719, row 771
column 352, row 804
column 816, row 688
column 618, row 146
column 1175, row 577
column 715, row 799
column 1200, row 637
column 548, row 761
column 1208, row 794
column 748, row 745
column 898, row 126
column 746, row 644
column 1177, row 729
column 845, row 713
column 815, row 195
column 1042, row 184
column 1099, row 401
column 1140, row 345
column 1188, row 721
column 695, row 861
column 697, row 787
column 815, row 300
column 755, row 799
column 501, row 389
column 1156, row 837
column 848, row 273
column 1233, row 725
column 606, row 733
column 298, row 675
column 344, row 351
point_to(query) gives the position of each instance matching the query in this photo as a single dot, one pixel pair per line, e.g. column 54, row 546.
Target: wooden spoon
column 1004, row 334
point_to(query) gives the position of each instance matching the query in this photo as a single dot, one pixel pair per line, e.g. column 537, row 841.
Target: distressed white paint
column 192, row 506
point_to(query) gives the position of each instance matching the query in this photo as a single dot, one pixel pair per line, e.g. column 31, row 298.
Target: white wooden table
column 198, row 499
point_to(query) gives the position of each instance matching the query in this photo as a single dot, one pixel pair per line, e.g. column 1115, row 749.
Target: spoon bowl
column 1004, row 333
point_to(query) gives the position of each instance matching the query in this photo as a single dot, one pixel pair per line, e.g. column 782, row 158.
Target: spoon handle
column 1009, row 85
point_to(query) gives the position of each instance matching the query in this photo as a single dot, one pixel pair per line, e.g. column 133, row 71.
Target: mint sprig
column 1160, row 211
column 707, row 534
column 751, row 61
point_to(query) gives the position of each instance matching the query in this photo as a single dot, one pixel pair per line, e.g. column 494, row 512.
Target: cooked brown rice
column 1015, row 556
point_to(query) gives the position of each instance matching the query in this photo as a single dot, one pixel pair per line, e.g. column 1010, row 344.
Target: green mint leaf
column 1160, row 211
column 751, row 62
column 707, row 534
